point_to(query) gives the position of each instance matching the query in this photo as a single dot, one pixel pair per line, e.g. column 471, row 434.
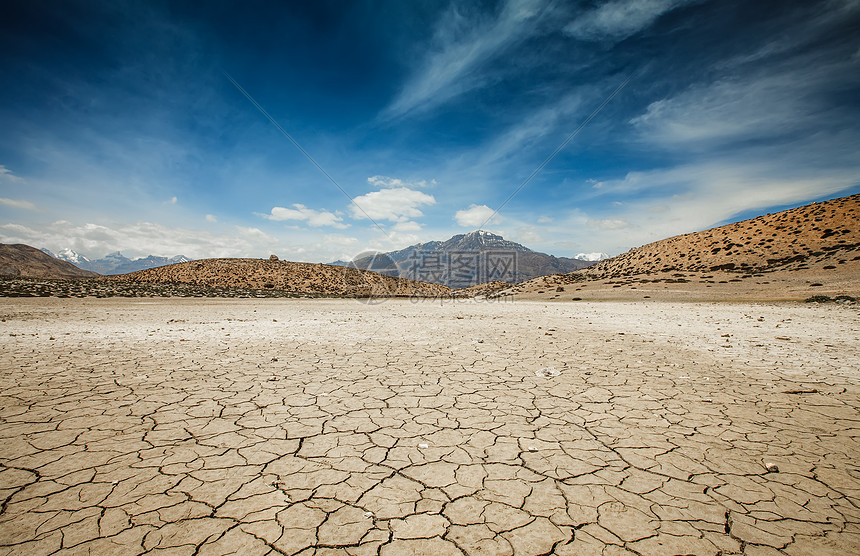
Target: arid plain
column 188, row 426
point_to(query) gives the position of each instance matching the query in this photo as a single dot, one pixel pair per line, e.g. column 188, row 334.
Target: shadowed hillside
column 23, row 261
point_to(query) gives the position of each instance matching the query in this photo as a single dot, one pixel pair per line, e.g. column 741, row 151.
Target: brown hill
column 810, row 250
column 283, row 275
column 23, row 261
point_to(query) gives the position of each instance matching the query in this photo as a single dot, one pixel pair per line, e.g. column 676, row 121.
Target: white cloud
column 397, row 204
column 544, row 220
column 7, row 175
column 619, row 19
column 382, row 182
column 407, row 226
column 462, row 44
column 527, row 235
column 476, row 216
column 339, row 243
column 301, row 213
column 211, row 218
column 608, row 224
column 172, row 200
column 17, row 203
column 255, row 234
column 139, row 239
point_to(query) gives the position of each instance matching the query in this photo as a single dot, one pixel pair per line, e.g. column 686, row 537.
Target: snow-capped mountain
column 70, row 257
column 115, row 263
column 73, row 257
column 591, row 257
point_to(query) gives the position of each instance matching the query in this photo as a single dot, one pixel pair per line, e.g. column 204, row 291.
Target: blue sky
column 123, row 131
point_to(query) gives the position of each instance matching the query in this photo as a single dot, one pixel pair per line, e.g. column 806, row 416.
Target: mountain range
column 115, row 263
column 466, row 260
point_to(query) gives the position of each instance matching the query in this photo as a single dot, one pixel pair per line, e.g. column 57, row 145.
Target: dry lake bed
column 178, row 426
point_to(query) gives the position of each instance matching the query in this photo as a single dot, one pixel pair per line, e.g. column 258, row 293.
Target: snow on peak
column 591, row 257
column 71, row 256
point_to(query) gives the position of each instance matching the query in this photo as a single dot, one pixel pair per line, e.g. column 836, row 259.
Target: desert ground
column 272, row 426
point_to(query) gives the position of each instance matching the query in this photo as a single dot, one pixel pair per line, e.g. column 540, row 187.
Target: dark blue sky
column 122, row 130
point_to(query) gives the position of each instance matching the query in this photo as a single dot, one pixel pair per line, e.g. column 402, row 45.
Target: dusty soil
column 784, row 285
column 317, row 426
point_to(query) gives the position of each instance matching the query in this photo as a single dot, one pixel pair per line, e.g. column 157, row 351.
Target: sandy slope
column 789, row 255
column 282, row 275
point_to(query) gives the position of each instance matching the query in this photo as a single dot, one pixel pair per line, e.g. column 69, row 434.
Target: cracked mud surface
column 327, row 426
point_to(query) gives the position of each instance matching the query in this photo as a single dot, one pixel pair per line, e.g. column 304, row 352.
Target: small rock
column 548, row 372
column 423, row 445
column 771, row 467
column 532, row 449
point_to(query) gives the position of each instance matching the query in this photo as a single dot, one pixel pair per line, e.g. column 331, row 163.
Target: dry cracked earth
column 328, row 426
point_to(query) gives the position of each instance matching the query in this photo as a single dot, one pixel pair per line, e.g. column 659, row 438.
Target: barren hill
column 288, row 276
column 809, row 250
column 23, row 261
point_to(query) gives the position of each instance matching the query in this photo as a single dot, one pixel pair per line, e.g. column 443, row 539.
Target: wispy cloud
column 730, row 110
column 385, row 182
column 533, row 128
column 7, row 175
column 17, row 203
column 618, row 19
column 462, row 43
column 302, row 213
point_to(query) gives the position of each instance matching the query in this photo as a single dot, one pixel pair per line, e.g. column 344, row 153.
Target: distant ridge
column 23, row 261
column 282, row 275
column 116, row 262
